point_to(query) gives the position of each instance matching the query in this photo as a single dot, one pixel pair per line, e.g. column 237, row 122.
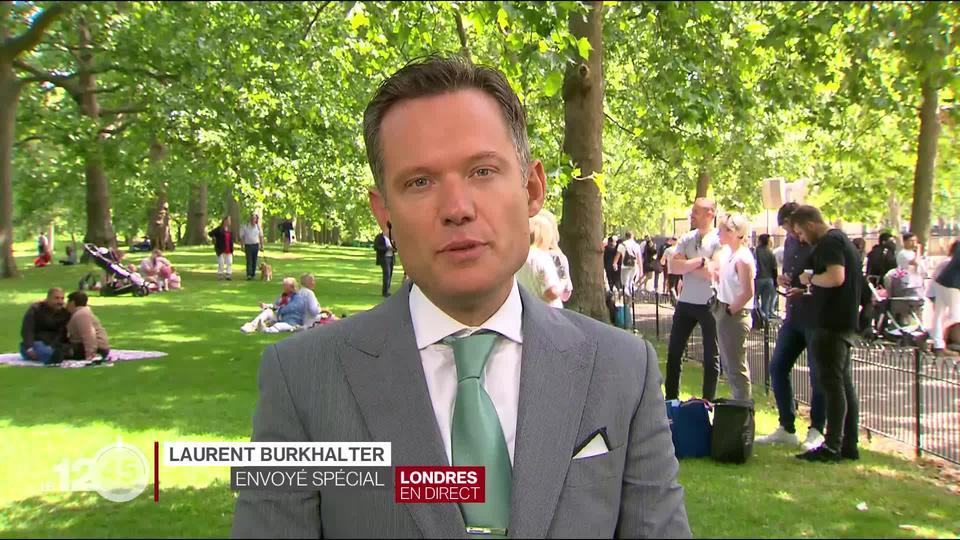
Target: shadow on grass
column 181, row 513
column 777, row 495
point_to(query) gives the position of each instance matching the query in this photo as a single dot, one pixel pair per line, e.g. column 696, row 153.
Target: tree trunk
column 272, row 229
column 581, row 227
column 9, row 94
column 99, row 224
column 233, row 210
column 703, row 179
column 197, row 216
column 926, row 162
column 158, row 226
column 335, row 236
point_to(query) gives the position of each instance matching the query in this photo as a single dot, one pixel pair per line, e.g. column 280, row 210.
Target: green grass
column 206, row 389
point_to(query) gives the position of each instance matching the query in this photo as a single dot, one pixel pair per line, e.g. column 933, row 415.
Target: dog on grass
column 266, row 272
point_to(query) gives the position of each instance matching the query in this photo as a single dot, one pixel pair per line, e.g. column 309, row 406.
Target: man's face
column 55, row 299
column 454, row 194
column 308, row 283
column 807, row 232
column 788, row 227
column 700, row 216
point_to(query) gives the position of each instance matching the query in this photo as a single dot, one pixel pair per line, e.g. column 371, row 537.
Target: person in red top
column 223, row 245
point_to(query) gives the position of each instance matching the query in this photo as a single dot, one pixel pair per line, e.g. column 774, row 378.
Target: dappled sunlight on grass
column 784, row 496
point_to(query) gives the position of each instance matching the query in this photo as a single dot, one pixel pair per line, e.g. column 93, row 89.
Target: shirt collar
column 431, row 324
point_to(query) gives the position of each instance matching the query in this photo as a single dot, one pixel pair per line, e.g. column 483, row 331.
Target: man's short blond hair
column 305, row 277
column 704, row 202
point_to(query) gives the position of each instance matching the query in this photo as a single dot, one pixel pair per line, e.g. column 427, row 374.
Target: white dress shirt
column 501, row 374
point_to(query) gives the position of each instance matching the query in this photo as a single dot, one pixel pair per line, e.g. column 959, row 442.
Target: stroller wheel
column 143, row 291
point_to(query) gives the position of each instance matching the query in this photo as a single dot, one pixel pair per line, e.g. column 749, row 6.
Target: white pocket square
column 596, row 445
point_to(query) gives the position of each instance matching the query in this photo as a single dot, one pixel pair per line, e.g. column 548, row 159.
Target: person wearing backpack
column 628, row 274
column 882, row 258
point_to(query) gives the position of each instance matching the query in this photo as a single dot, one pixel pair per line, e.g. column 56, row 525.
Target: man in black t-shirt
column 837, row 280
column 609, row 254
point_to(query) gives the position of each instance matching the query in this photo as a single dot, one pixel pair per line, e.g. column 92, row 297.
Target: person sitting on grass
column 42, row 260
column 86, row 336
column 173, row 281
column 156, row 269
column 44, row 329
column 284, row 315
column 71, row 257
column 311, row 307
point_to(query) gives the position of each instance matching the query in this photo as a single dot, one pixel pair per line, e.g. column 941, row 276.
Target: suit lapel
column 386, row 376
column 555, row 372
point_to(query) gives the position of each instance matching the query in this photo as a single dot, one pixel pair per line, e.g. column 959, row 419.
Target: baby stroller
column 119, row 279
column 899, row 310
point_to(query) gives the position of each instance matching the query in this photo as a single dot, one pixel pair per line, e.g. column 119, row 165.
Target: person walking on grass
column 223, row 246
column 251, row 236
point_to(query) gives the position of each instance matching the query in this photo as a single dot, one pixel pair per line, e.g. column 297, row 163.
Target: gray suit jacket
column 361, row 379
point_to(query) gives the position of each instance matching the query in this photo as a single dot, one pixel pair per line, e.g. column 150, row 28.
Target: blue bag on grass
column 691, row 427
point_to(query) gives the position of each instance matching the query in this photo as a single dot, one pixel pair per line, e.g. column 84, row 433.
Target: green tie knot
column 471, row 353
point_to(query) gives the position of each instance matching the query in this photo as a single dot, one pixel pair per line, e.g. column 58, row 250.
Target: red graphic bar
column 439, row 484
column 156, row 471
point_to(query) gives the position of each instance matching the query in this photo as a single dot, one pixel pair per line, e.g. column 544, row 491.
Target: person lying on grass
column 284, row 315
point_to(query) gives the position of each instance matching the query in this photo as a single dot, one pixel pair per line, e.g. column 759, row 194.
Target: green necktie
column 477, row 438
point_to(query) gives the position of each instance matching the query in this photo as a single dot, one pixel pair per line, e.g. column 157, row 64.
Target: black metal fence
column 906, row 394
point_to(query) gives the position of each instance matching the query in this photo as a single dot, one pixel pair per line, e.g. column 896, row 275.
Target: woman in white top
column 559, row 259
column 539, row 275
column 734, row 276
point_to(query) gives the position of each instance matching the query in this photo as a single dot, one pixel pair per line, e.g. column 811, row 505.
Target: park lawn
column 205, row 389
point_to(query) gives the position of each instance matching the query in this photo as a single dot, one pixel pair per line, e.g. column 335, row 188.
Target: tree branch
column 650, row 150
column 129, row 109
column 108, row 89
column 63, row 81
column 13, row 47
column 462, row 34
column 31, row 138
column 136, row 70
column 314, row 20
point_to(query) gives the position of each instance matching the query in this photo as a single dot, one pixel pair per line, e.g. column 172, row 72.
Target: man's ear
column 378, row 205
column 536, row 187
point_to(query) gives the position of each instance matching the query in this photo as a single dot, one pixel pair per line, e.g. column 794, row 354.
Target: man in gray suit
column 463, row 367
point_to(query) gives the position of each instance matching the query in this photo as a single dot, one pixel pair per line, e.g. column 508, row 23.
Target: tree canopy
column 263, row 100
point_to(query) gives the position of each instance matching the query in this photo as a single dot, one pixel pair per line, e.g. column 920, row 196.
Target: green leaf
column 502, row 18
column 553, row 84
column 584, row 48
column 358, row 18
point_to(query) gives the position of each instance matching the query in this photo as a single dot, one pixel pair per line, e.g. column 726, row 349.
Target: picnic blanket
column 119, row 355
